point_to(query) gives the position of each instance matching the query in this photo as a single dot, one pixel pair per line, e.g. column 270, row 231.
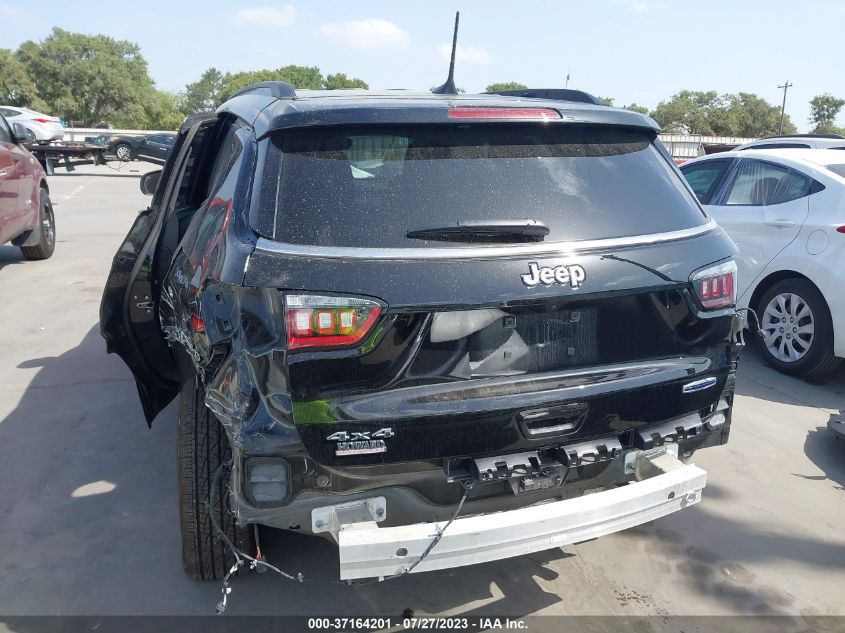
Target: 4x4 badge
column 360, row 442
column 573, row 275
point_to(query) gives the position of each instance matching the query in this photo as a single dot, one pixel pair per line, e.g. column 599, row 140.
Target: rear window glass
column 839, row 170
column 370, row 186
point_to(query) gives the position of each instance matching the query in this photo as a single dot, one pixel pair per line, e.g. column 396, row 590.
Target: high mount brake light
column 523, row 114
column 315, row 321
column 715, row 286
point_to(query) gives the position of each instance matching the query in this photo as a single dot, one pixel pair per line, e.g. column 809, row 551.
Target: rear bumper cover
column 665, row 485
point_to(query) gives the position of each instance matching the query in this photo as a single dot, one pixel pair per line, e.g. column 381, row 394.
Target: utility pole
column 567, row 80
column 786, row 86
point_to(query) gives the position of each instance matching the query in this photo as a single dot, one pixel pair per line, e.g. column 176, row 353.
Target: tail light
column 715, row 286
column 323, row 322
column 840, row 229
column 41, row 120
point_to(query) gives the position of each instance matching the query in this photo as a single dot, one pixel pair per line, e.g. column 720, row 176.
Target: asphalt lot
column 88, row 514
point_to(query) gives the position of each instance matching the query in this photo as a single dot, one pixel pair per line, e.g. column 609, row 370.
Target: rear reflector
column 715, row 286
column 324, row 322
column 523, row 114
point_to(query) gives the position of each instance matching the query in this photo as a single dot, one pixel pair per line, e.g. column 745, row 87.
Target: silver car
column 40, row 128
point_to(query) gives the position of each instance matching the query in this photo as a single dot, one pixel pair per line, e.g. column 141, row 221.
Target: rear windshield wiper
column 507, row 230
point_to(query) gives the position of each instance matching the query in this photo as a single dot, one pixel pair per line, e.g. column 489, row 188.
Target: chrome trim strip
column 699, row 385
column 553, row 249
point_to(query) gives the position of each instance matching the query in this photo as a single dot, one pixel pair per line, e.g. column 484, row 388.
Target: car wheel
column 204, row 456
column 796, row 329
column 123, row 152
column 47, row 244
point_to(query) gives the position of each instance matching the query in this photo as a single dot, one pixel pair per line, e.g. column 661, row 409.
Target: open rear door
column 129, row 319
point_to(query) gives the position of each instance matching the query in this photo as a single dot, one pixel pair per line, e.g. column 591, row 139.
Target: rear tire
column 202, row 450
column 797, row 329
column 47, row 228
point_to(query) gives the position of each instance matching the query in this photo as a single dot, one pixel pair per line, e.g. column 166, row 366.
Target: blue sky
column 633, row 50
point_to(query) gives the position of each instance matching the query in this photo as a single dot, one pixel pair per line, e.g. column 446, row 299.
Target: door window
column 5, row 131
column 704, row 177
column 758, row 183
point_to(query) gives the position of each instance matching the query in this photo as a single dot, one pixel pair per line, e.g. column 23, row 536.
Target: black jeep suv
column 439, row 329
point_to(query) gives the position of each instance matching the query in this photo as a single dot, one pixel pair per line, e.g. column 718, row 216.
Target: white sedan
column 40, row 128
column 785, row 209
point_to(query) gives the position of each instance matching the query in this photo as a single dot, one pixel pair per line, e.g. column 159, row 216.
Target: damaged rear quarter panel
column 232, row 335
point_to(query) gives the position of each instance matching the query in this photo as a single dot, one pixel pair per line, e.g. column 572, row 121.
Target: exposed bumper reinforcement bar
column 666, row 485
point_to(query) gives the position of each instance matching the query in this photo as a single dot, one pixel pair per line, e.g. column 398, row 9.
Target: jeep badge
column 573, row 275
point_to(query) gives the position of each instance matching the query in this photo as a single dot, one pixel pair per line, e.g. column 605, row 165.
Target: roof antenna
column 449, row 88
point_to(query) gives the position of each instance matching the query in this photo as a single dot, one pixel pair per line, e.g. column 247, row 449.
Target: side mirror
column 149, row 182
column 19, row 135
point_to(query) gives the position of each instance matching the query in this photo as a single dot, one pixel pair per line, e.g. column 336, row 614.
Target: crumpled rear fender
column 235, row 339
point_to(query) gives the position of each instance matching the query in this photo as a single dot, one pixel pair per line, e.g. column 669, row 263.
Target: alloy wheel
column 122, row 152
column 788, row 327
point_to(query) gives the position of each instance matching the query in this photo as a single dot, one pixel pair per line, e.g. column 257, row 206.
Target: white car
column 785, row 209
column 797, row 141
column 40, row 128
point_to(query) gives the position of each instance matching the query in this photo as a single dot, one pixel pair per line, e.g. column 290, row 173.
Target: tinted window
column 8, row 113
column 758, row 183
column 369, row 186
column 5, row 131
column 704, row 177
column 839, row 170
column 190, row 193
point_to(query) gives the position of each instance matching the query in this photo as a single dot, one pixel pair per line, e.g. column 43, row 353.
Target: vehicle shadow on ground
column 826, row 393
column 10, row 255
column 712, row 555
column 89, row 523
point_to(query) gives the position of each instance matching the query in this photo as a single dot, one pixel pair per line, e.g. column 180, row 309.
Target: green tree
column 608, row 101
column 89, row 78
column 748, row 115
column 16, row 86
column 687, row 112
column 505, row 85
column 205, row 94
column 823, row 112
column 634, row 107
column 303, row 77
column 163, row 110
column 340, row 80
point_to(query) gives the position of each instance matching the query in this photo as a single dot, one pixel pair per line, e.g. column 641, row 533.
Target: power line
column 786, row 86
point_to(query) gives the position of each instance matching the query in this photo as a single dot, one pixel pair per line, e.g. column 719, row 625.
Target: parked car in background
column 26, row 213
column 154, row 146
column 382, row 310
column 40, row 128
column 785, row 209
column 797, row 141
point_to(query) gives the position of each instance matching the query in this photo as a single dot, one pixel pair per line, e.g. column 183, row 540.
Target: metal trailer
column 67, row 155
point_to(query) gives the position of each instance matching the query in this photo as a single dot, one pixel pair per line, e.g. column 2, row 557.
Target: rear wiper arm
column 507, row 230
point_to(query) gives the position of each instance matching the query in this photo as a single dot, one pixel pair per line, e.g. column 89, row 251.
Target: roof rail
column 278, row 89
column 833, row 136
column 559, row 94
